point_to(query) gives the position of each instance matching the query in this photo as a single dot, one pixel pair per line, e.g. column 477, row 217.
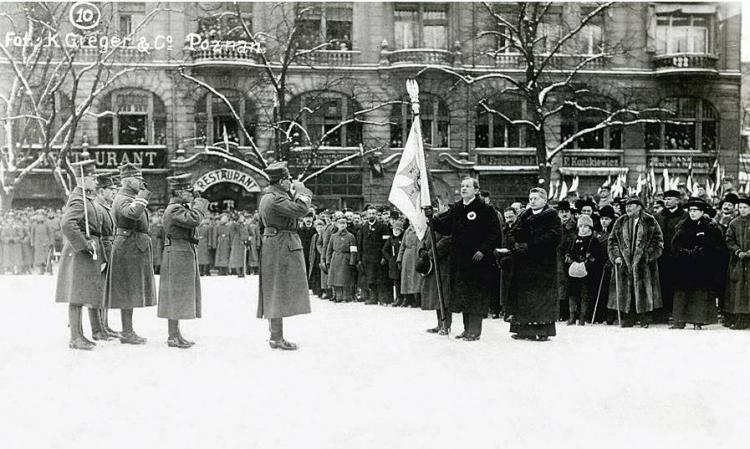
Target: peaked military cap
column 277, row 171
column 180, row 182
column 130, row 170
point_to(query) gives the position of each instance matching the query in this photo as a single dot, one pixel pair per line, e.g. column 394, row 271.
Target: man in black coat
column 306, row 232
column 475, row 231
column 669, row 218
column 372, row 266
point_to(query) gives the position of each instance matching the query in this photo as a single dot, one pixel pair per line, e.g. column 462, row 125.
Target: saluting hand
column 477, row 257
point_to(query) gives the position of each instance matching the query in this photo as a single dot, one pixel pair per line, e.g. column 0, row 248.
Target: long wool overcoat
column 239, row 235
column 179, row 281
column 411, row 281
column 108, row 228
column 130, row 278
column 223, row 242
column 370, row 240
column 41, row 241
column 430, row 298
column 252, row 253
column 341, row 259
column 156, row 231
column 203, row 234
column 473, row 227
column 79, row 279
column 738, row 240
column 640, row 272
column 283, row 280
column 697, row 247
column 533, row 293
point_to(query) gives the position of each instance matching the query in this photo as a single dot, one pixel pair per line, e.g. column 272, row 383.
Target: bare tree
column 554, row 52
column 284, row 50
column 52, row 87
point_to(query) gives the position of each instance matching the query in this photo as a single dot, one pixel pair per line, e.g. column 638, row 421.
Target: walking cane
column 617, row 295
column 598, row 294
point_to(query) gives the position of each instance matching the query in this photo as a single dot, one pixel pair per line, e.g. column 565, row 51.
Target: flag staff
column 413, row 89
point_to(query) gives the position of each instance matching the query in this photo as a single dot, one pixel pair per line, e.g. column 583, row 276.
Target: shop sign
column 226, row 175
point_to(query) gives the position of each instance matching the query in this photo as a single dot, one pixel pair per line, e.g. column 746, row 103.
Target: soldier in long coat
column 698, row 245
column 79, row 280
column 223, row 244
column 41, row 241
column 180, row 284
column 533, row 299
column 411, row 281
column 374, row 271
column 283, row 285
column 634, row 247
column 341, row 260
column 203, row 234
column 105, row 195
column 475, row 233
column 736, row 307
column 239, row 239
column 130, row 278
column 329, row 231
column 254, row 248
column 156, row 232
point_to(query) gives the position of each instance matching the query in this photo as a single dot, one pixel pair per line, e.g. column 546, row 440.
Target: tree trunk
column 6, row 199
column 544, row 171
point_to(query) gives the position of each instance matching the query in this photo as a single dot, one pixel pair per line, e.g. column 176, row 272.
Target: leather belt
column 271, row 231
column 168, row 240
column 128, row 232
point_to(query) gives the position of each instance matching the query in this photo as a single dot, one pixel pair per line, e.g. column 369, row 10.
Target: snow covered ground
column 364, row 377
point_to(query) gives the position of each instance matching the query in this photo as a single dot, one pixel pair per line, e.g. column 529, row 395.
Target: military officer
column 180, row 285
column 79, row 281
column 130, row 278
column 105, row 194
column 283, row 284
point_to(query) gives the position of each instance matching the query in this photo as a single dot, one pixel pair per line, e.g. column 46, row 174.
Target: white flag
column 410, row 191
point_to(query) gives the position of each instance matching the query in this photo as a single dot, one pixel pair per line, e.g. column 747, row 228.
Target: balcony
column 685, row 63
column 420, row 56
column 567, row 61
column 224, row 52
column 90, row 54
column 333, row 58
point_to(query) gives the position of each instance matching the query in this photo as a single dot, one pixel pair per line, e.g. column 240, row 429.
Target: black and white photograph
column 374, row 224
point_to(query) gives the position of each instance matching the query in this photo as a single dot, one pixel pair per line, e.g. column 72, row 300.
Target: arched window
column 575, row 120
column 435, row 121
column 321, row 115
column 493, row 131
column 134, row 117
column 214, row 120
column 692, row 125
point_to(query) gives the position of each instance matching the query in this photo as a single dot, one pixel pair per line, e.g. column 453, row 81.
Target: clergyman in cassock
column 130, row 278
column 533, row 295
column 79, row 280
column 283, row 283
column 475, row 232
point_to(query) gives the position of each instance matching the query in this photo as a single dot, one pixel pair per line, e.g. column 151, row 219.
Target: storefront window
column 215, row 122
column 435, row 121
column 693, row 125
column 132, row 117
column 422, row 25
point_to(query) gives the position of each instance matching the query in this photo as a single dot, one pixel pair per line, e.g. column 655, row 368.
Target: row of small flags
column 649, row 185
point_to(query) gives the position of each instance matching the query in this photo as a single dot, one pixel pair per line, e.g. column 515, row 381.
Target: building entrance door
column 227, row 196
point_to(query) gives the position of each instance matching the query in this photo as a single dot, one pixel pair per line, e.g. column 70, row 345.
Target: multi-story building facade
column 684, row 57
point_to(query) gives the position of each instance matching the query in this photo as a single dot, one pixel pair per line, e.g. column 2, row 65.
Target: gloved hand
column 91, row 247
column 477, row 257
column 383, row 262
column 144, row 194
column 200, row 203
column 618, row 261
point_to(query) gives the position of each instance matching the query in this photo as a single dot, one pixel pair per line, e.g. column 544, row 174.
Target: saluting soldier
column 180, row 285
column 79, row 280
column 103, row 202
column 130, row 278
column 283, row 284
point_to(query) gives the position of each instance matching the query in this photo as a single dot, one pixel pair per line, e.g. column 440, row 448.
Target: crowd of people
column 674, row 258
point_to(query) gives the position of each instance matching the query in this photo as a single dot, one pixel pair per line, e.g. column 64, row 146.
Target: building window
column 320, row 114
column 329, row 23
column 575, row 121
column 492, row 131
column 435, row 122
column 589, row 39
column 221, row 22
column 129, row 16
column 132, row 117
column 549, row 31
column 694, row 126
column 683, row 33
column 422, row 25
column 215, row 123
